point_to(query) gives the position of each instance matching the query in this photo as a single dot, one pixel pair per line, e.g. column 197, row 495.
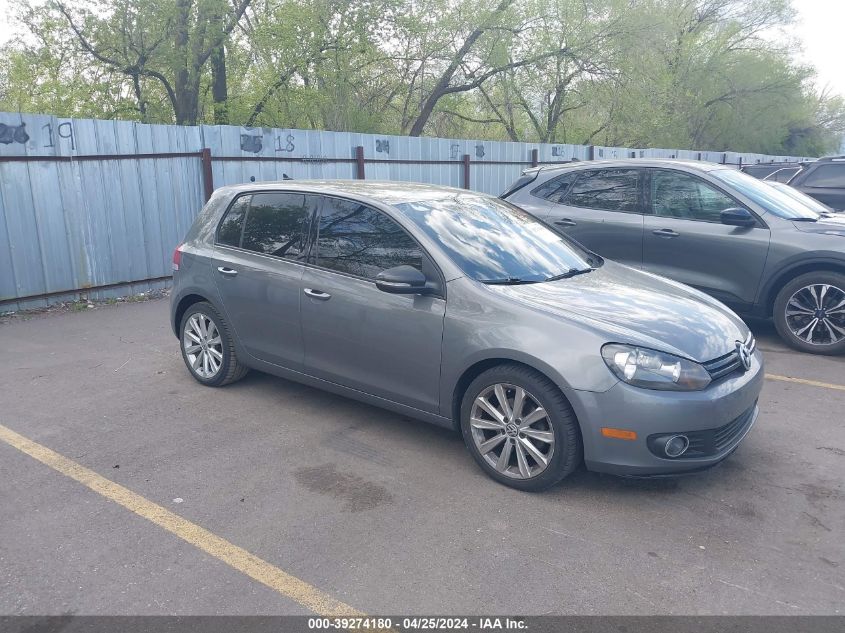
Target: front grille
column 711, row 441
column 729, row 363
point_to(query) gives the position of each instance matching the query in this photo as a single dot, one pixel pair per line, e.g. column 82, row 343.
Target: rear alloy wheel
column 809, row 313
column 519, row 428
column 207, row 347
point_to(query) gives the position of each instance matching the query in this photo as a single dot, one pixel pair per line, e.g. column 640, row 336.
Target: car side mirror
column 738, row 217
column 402, row 280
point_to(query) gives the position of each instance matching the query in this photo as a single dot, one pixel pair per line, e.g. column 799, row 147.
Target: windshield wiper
column 570, row 273
column 803, row 219
column 508, row 281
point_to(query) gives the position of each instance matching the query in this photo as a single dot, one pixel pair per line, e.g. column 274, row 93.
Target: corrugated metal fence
column 98, row 206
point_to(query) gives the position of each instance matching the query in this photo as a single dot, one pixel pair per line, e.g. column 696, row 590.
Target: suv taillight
column 177, row 257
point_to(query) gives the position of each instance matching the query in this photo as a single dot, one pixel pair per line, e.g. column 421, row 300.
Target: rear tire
column 530, row 443
column 809, row 313
column 207, row 347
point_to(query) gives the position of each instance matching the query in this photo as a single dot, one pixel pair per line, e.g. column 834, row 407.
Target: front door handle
column 229, row 272
column 665, row 233
column 565, row 222
column 317, row 294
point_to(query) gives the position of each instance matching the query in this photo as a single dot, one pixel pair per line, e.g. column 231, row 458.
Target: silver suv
column 462, row 310
column 757, row 249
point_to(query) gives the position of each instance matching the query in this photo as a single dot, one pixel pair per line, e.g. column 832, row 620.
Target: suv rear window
column 826, row 176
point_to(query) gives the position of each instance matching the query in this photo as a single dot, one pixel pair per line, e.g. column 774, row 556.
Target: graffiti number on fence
column 65, row 131
column 479, row 151
column 383, row 145
column 455, row 151
column 289, row 146
column 13, row 134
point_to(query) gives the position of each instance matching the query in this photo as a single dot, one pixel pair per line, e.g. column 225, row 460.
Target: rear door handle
column 229, row 272
column 665, row 233
column 565, row 222
column 317, row 294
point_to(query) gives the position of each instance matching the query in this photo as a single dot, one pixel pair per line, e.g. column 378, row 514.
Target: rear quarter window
column 555, row 189
column 232, row 225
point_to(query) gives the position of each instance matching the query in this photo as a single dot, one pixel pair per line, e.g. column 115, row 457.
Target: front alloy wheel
column 512, row 431
column 810, row 313
column 520, row 428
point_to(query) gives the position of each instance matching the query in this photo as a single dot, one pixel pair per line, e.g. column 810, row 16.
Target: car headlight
column 651, row 369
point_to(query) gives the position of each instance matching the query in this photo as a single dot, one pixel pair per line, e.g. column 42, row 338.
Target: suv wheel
column 809, row 313
column 519, row 428
column 207, row 347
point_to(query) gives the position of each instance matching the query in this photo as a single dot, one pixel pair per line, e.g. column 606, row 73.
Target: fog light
column 676, row 445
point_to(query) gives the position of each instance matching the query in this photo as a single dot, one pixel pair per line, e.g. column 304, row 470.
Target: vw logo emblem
column 744, row 355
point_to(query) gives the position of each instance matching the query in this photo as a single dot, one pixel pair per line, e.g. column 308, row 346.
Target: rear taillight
column 177, row 257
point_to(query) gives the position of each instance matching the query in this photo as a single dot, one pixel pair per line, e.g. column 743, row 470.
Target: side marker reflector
column 619, row 434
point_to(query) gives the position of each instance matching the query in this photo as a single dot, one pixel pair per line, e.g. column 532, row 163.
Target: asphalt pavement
column 382, row 513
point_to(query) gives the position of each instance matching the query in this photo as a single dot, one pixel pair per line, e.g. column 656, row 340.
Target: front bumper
column 729, row 403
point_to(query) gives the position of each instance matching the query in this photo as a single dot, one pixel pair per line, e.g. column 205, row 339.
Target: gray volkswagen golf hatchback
column 462, row 310
column 759, row 250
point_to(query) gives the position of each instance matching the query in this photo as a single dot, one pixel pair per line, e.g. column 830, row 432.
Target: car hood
column 831, row 225
column 635, row 307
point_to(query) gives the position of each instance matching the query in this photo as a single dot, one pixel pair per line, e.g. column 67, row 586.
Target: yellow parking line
column 236, row 557
column 804, row 381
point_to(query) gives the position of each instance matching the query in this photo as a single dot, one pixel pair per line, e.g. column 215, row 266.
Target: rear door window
column 277, row 224
column 826, row 176
column 607, row 190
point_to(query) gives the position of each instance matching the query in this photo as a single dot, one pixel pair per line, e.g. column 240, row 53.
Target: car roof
column 697, row 165
column 386, row 192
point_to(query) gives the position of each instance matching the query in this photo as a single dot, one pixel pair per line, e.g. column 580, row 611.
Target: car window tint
column 359, row 240
column 678, row 195
column 606, row 189
column 232, row 225
column 826, row 176
column 277, row 224
column 555, row 189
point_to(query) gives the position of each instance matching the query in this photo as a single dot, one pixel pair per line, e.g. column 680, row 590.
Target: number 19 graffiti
column 65, row 130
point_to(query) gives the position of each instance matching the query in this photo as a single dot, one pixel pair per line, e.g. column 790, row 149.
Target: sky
column 819, row 29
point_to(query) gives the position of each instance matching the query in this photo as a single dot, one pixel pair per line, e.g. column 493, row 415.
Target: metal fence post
column 591, row 152
column 359, row 163
column 207, row 174
column 466, row 171
column 535, row 157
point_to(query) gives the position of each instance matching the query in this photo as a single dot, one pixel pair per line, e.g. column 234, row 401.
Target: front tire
column 519, row 428
column 207, row 347
column 809, row 313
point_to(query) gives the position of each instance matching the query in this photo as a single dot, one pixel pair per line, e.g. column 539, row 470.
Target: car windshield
column 494, row 242
column 792, row 192
column 775, row 202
